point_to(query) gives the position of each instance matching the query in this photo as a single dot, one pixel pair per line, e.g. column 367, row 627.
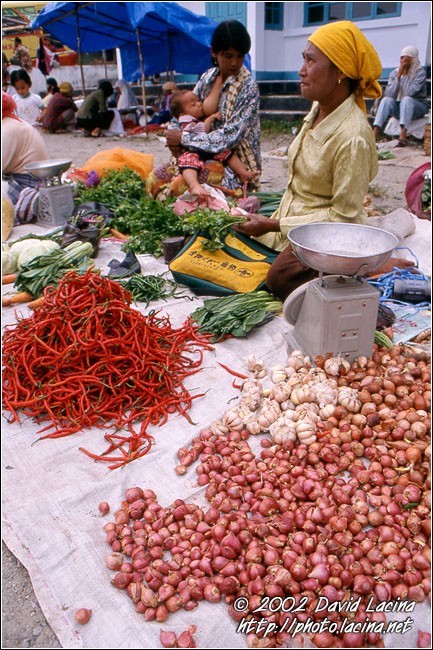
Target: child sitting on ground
column 188, row 110
column 29, row 105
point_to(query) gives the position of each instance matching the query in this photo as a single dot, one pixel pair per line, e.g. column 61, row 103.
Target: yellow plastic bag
column 117, row 159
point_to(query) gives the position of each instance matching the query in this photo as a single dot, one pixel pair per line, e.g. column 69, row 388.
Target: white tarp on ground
column 51, row 493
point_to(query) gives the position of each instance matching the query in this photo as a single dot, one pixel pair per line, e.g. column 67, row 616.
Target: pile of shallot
column 343, row 513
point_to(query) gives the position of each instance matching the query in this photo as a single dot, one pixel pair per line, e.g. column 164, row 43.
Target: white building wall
column 197, row 7
column 277, row 54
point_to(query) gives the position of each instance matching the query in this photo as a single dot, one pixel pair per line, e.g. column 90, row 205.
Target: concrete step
column 282, row 116
column 279, row 87
column 284, row 102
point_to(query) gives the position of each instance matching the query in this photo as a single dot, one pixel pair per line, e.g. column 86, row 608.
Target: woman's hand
column 172, row 137
column 258, row 225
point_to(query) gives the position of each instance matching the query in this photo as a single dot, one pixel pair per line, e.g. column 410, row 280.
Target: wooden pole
column 143, row 80
column 79, row 53
column 104, row 56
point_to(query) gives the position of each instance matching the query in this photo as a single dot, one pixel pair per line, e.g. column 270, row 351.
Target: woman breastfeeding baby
column 228, row 97
column 197, row 117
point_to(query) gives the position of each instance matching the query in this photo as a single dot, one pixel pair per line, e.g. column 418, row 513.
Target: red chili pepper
column 232, row 372
column 86, row 358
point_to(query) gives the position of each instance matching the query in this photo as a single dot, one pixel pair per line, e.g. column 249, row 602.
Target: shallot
column 82, row 615
column 337, row 504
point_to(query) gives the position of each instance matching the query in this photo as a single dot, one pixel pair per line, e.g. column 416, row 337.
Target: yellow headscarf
column 346, row 46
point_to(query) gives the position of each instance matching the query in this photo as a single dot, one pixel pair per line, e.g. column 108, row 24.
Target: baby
column 188, row 110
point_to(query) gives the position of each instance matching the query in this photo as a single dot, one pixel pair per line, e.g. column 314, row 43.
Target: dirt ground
column 23, row 622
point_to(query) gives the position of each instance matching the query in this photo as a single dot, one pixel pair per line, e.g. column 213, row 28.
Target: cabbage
column 44, row 247
column 9, row 261
column 22, row 245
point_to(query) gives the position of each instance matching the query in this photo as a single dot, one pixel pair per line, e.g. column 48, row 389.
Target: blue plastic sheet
column 172, row 38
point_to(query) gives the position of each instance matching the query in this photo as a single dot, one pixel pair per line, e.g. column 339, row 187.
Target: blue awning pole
column 143, row 80
column 79, row 51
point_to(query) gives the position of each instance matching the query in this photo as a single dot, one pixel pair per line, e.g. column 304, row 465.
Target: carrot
column 17, row 298
column 36, row 303
column 118, row 234
column 9, row 279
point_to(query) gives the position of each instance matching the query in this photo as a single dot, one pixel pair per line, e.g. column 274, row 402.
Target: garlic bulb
column 286, row 405
column 308, row 441
column 325, row 392
column 301, row 394
column 278, row 374
column 336, row 366
column 252, row 392
column 305, row 429
column 281, row 391
column 251, row 401
column 294, row 362
column 348, row 397
column 219, row 428
column 327, row 411
column 232, row 420
column 307, row 410
column 282, row 430
column 316, row 375
column 256, row 367
column 253, row 425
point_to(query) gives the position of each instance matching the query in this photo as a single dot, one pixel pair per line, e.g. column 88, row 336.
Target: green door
column 220, row 11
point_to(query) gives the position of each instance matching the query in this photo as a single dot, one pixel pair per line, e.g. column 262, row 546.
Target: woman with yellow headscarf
column 333, row 158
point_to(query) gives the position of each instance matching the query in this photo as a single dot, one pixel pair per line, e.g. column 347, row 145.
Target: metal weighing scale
column 336, row 313
column 56, row 200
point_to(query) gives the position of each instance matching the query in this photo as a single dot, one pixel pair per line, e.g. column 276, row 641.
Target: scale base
column 333, row 315
column 56, row 205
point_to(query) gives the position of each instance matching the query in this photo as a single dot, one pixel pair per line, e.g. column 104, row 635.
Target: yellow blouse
column 330, row 168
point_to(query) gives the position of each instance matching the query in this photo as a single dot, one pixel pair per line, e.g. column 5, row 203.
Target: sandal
column 401, row 143
column 96, row 132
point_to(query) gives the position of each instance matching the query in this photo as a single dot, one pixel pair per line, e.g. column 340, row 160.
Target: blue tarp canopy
column 171, row 37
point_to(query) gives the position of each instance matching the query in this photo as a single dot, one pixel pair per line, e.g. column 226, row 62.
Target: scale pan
column 342, row 248
column 48, row 168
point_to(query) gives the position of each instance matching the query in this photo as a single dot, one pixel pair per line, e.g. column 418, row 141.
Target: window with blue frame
column 316, row 13
column 274, row 16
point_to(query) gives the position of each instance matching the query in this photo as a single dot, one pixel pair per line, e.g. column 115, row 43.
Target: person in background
column 21, row 145
column 160, row 109
column 21, row 56
column 59, row 116
column 126, row 97
column 93, row 114
column 5, row 64
column 333, row 158
column 52, row 88
column 29, row 105
column 238, row 102
column 6, row 82
column 168, row 88
column 405, row 94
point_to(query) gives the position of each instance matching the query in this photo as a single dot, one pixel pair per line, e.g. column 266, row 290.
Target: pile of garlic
column 300, row 397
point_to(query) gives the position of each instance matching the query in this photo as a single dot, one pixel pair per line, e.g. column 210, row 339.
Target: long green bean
column 145, row 288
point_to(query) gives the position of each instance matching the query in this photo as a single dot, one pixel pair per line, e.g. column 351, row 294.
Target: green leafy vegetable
column 385, row 154
column 148, row 221
column 215, row 225
column 235, row 315
column 46, row 270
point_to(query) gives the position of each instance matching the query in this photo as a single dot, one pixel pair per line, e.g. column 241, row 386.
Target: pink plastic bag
column 414, row 186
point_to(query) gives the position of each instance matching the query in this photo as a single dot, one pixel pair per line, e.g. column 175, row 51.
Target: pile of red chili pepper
column 87, row 358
